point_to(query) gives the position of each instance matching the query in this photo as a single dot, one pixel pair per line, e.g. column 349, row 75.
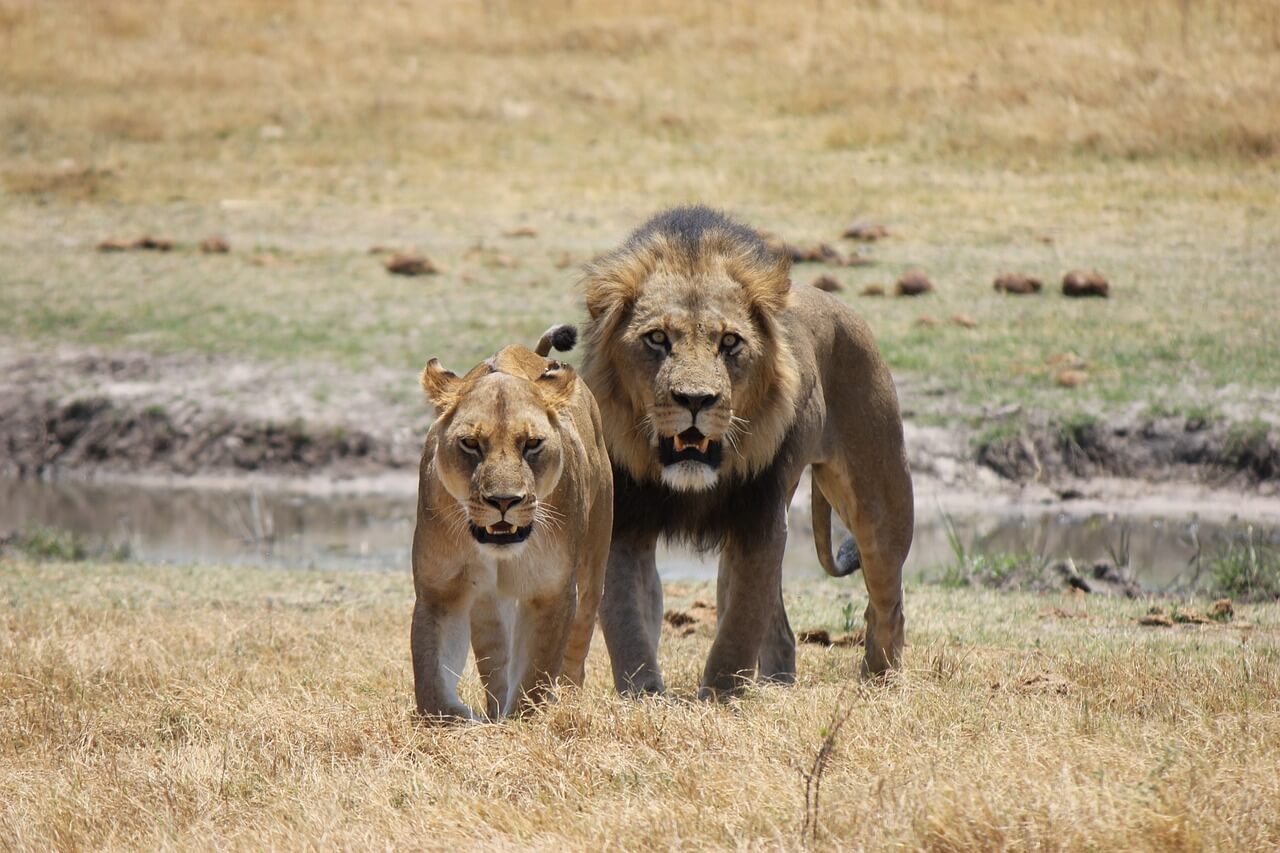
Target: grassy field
column 162, row 707
column 1037, row 136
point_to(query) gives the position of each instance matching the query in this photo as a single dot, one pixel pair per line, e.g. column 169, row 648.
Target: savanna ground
column 162, row 707
column 176, row 707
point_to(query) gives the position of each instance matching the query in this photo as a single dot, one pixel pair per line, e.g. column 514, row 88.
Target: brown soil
column 1169, row 448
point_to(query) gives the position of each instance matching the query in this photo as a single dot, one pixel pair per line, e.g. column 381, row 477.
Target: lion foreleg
column 492, row 622
column 753, row 595
column 778, row 651
column 631, row 615
column 438, row 641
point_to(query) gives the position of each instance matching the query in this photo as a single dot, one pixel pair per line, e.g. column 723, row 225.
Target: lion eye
column 532, row 446
column 730, row 342
column 657, row 339
column 470, row 445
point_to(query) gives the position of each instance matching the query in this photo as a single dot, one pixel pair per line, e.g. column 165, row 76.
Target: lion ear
column 556, row 385
column 441, row 385
column 766, row 280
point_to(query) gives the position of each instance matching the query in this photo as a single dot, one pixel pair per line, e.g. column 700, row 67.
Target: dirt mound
column 37, row 437
column 1154, row 449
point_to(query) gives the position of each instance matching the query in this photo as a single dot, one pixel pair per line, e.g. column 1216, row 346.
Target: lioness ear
column 441, row 385
column 556, row 385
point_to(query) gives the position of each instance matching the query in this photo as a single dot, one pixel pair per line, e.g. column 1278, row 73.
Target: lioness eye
column 730, row 342
column 657, row 339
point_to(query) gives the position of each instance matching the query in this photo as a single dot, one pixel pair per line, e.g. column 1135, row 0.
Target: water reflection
column 373, row 532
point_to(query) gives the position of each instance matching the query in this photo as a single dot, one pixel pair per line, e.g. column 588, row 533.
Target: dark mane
column 739, row 509
column 686, row 226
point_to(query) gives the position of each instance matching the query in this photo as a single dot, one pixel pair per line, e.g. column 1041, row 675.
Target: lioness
column 515, row 504
column 718, row 383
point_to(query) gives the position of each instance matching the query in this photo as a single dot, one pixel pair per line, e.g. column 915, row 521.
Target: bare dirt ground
column 214, row 420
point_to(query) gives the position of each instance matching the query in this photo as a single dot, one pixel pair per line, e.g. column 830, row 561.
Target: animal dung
column 867, row 232
column 522, row 231
column 1071, row 378
column 1018, row 284
column 914, row 283
column 964, row 321
column 872, row 290
column 215, row 245
column 403, row 263
column 818, row 253
column 1080, row 283
column 828, row 283
column 150, row 243
column 143, row 243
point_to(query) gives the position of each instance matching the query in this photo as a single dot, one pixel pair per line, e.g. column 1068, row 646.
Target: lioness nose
column 695, row 402
column 504, row 502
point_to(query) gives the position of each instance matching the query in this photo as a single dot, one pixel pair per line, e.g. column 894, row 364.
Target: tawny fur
column 805, row 387
column 527, row 609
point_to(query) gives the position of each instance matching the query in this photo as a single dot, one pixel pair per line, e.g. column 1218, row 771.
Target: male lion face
column 695, row 348
column 500, row 456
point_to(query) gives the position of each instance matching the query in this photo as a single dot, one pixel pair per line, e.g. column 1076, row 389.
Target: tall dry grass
column 238, row 708
column 483, row 102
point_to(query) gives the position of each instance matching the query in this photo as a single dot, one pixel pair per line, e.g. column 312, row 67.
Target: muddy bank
column 1157, row 449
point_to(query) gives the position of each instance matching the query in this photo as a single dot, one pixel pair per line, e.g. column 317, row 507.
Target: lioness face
column 500, row 456
column 695, row 348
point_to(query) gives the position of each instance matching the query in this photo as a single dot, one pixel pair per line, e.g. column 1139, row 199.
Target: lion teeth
column 703, row 445
column 490, row 530
column 679, row 443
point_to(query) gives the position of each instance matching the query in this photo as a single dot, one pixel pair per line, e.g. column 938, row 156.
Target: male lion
column 515, row 504
column 718, row 383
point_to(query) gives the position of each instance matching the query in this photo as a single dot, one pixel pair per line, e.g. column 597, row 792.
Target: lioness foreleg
column 438, row 640
column 631, row 614
column 542, row 630
column 750, row 599
column 492, row 621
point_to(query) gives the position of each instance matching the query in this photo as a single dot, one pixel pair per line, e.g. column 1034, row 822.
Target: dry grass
column 211, row 707
column 485, row 102
column 1032, row 135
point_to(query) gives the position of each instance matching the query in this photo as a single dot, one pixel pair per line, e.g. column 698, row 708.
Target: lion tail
column 561, row 337
column 848, row 560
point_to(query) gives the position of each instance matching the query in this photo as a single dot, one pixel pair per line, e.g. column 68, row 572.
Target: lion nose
column 504, row 502
column 695, row 402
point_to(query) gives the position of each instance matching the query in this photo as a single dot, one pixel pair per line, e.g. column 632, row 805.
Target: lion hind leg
column 880, row 512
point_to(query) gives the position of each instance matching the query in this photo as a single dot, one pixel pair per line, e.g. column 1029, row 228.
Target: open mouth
column 502, row 533
column 689, row 446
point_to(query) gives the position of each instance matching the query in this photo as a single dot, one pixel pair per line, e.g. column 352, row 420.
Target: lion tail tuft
column 848, row 560
column 561, row 338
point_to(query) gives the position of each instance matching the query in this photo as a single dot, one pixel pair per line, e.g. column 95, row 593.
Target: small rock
column 407, row 264
column 872, row 290
column 828, row 283
column 115, row 244
column 1071, row 378
column 914, row 283
column 1078, row 283
column 150, row 243
column 926, row 321
column 867, row 232
column 215, row 245
column 1017, row 284
column 522, row 231
column 964, row 321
